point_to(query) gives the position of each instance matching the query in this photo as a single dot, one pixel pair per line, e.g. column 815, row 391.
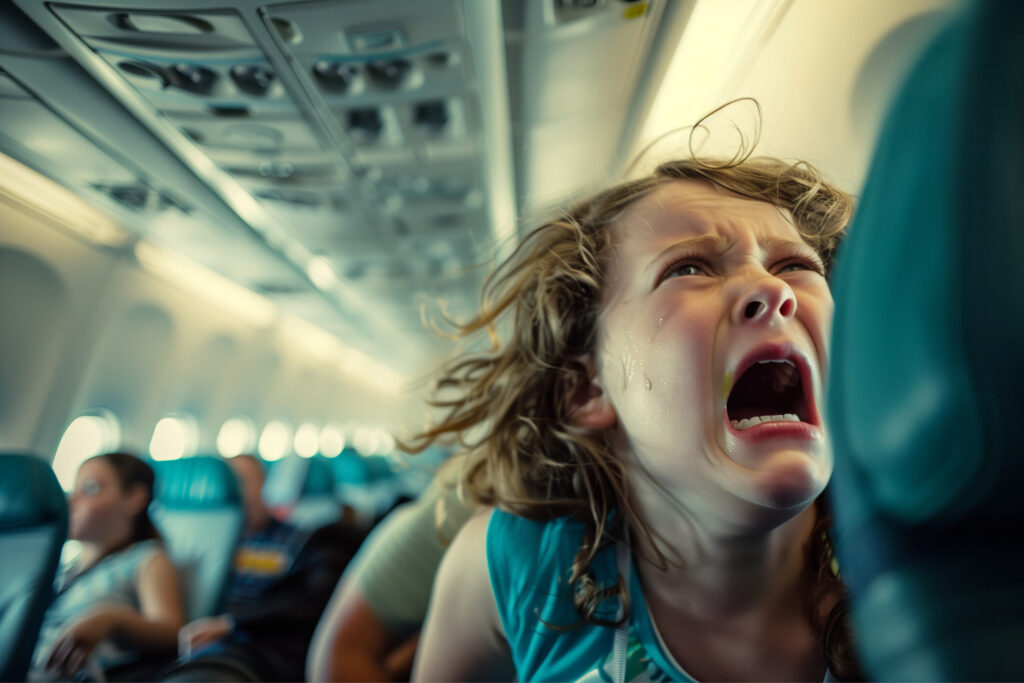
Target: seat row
column 197, row 509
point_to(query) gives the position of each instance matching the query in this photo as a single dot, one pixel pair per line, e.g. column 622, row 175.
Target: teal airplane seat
column 33, row 528
column 365, row 483
column 198, row 511
column 302, row 489
column 927, row 389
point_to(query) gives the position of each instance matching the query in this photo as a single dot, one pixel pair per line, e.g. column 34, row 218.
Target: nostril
column 753, row 309
column 786, row 309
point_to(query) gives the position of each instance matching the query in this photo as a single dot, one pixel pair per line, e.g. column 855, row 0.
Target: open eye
column 800, row 263
column 683, row 267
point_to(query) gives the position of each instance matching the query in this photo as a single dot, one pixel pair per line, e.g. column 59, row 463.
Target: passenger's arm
column 463, row 639
column 203, row 631
column 153, row 627
column 351, row 641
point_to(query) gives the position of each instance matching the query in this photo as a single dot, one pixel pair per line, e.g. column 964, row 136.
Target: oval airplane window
column 366, row 441
column 174, row 437
column 386, row 445
column 332, row 441
column 307, row 440
column 275, row 441
column 87, row 435
column 236, row 436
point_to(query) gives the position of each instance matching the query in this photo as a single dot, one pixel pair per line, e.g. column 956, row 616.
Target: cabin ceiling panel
column 353, row 160
column 29, row 124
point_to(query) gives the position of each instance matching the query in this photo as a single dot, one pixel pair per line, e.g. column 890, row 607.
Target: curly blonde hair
column 527, row 457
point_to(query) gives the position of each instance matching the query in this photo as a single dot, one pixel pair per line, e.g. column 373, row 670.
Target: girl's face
column 100, row 509
column 713, row 343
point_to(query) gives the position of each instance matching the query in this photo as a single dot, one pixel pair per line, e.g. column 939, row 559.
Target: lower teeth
column 754, row 421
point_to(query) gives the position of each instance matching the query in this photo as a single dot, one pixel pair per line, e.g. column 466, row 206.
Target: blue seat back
column 364, row 483
column 33, row 528
column 926, row 394
column 304, row 488
column 198, row 510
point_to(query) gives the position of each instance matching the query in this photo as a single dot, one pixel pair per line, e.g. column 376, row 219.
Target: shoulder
column 155, row 565
column 462, row 638
column 530, row 565
column 524, row 554
column 133, row 559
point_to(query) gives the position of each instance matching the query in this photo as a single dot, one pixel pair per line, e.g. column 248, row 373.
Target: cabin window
column 275, row 441
column 236, row 436
column 368, row 441
column 174, row 437
column 96, row 432
column 307, row 440
column 332, row 441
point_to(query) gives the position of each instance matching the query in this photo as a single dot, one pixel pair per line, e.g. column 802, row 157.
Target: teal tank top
column 530, row 564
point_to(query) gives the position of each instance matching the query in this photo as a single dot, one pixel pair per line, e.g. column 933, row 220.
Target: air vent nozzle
column 252, row 78
column 388, row 73
column 193, row 78
column 334, row 76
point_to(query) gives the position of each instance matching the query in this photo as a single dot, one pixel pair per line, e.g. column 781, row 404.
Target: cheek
column 818, row 322
column 661, row 391
column 91, row 513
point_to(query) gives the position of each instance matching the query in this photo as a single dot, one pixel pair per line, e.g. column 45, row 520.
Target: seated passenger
column 652, row 440
column 370, row 628
column 269, row 641
column 266, row 551
column 121, row 597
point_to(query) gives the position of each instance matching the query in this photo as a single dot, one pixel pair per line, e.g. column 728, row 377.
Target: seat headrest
column 29, row 493
column 294, row 478
column 350, row 468
column 200, row 482
column 379, row 468
column 319, row 479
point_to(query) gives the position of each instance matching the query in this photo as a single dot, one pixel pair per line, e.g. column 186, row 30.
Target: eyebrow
column 796, row 246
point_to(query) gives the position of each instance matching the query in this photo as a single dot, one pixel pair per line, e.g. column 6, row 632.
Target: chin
column 789, row 483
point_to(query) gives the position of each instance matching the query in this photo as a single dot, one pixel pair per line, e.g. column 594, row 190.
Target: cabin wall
column 86, row 327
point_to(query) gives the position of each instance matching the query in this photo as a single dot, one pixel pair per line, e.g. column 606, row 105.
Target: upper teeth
column 753, row 421
column 781, row 360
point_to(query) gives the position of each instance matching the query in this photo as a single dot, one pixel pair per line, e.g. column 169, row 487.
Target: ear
column 589, row 406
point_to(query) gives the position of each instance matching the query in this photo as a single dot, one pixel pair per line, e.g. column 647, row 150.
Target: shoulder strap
column 619, row 645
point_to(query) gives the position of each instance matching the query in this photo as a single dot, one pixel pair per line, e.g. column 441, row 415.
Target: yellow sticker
column 260, row 561
column 634, row 11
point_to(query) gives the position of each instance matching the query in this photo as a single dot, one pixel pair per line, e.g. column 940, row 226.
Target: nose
column 764, row 300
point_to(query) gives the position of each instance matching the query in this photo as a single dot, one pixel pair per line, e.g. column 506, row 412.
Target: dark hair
column 133, row 471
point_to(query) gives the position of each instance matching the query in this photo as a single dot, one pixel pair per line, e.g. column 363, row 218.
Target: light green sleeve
column 394, row 569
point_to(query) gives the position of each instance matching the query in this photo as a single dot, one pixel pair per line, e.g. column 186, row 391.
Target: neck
column 94, row 551
column 716, row 574
column 257, row 523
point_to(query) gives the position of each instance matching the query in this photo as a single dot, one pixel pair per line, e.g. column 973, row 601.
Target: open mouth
column 771, row 390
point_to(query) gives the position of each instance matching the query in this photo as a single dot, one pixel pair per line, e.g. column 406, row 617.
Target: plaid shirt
column 261, row 558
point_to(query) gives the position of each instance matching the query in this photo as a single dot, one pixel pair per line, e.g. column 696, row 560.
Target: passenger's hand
column 200, row 632
column 76, row 644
